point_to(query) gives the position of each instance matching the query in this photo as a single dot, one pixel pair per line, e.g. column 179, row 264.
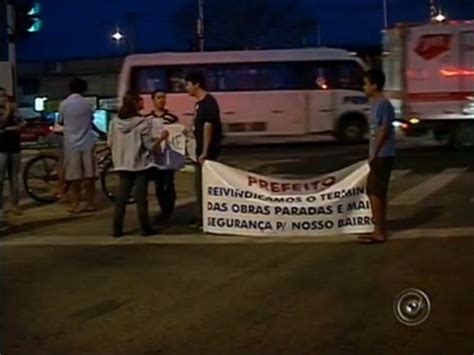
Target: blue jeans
column 10, row 163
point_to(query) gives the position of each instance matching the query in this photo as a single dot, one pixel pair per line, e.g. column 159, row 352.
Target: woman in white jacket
column 133, row 140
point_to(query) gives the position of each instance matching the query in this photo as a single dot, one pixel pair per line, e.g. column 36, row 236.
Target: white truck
column 430, row 79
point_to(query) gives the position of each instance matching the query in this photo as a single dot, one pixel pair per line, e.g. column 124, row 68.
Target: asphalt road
column 141, row 297
column 235, row 299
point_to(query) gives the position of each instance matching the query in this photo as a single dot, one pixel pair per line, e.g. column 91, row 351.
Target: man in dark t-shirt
column 207, row 130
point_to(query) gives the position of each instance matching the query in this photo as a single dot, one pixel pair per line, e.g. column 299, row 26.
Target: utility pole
column 11, row 34
column 131, row 22
column 319, row 34
column 8, row 28
column 200, row 26
column 3, row 31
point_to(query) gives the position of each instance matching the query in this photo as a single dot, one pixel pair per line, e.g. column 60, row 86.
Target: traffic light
column 27, row 20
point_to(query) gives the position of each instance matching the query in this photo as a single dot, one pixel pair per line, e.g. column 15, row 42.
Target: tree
column 249, row 24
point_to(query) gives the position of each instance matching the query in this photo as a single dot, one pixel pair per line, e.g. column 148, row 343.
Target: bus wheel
column 352, row 129
column 462, row 136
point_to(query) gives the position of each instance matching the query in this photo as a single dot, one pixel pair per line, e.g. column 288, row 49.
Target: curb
column 200, row 239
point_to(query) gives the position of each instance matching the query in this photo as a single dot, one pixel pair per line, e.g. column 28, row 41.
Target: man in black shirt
column 165, row 178
column 207, row 129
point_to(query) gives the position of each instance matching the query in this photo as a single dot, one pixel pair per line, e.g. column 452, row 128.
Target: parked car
column 36, row 130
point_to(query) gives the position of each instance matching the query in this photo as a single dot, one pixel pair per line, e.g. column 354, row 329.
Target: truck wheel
column 352, row 130
column 462, row 136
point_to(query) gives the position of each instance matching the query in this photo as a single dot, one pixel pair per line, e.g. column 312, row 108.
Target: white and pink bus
column 265, row 95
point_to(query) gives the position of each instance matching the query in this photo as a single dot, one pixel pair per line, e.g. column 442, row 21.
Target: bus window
column 145, row 80
column 321, row 76
column 279, row 76
column 176, row 83
column 253, row 76
column 345, row 75
column 349, row 76
column 240, row 77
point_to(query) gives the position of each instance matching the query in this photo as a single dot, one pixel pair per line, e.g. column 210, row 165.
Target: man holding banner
column 170, row 160
column 207, row 130
column 381, row 154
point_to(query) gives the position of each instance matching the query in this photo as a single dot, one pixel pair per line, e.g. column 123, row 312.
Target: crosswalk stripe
column 409, row 197
column 421, row 191
column 397, row 174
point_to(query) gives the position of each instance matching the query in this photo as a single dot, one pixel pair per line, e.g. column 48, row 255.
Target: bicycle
column 41, row 177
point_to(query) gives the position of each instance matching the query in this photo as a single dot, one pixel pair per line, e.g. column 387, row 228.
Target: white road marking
column 197, row 239
column 397, row 174
column 264, row 163
column 421, row 191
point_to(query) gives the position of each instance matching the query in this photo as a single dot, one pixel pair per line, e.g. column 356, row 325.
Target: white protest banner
column 175, row 149
column 237, row 202
column 181, row 142
column 191, row 148
column 177, row 139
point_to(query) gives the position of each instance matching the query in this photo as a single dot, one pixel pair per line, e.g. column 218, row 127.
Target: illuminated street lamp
column 440, row 17
column 118, row 36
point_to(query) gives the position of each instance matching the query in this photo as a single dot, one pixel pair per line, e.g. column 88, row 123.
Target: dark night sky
column 82, row 29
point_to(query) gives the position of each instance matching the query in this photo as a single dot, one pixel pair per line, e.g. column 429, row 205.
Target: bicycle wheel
column 40, row 178
column 109, row 181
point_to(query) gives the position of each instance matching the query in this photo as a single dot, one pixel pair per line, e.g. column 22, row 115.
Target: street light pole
column 200, row 25
column 385, row 13
column 131, row 24
column 319, row 34
column 11, row 28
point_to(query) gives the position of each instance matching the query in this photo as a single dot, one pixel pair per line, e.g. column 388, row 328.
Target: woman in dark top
column 10, row 159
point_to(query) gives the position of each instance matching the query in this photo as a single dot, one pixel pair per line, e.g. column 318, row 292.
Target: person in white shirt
column 76, row 114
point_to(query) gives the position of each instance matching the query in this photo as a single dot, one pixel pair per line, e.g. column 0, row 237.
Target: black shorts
column 379, row 177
